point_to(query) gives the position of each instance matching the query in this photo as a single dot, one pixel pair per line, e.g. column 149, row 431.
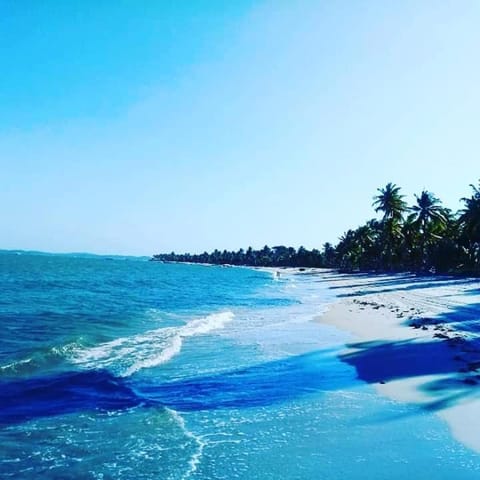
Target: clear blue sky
column 138, row 127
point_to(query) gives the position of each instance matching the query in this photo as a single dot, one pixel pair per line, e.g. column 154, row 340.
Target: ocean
column 120, row 368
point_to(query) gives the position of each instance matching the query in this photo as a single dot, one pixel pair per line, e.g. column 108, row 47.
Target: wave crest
column 130, row 354
column 40, row 360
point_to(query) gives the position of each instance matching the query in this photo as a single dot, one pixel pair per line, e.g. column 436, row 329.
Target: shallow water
column 131, row 369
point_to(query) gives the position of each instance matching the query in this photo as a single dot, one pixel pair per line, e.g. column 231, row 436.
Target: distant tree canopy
column 279, row 256
column 423, row 237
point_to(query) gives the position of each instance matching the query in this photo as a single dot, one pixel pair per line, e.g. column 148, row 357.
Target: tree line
column 422, row 237
column 279, row 256
column 425, row 236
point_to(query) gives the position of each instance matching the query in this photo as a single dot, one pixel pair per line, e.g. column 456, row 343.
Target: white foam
column 40, row 359
column 128, row 355
column 14, row 365
column 164, row 356
column 206, row 324
column 195, row 459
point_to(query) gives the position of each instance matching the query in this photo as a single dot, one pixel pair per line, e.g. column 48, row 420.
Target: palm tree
column 430, row 218
column 367, row 238
column 391, row 203
column 447, row 253
column 411, row 239
column 470, row 225
column 349, row 251
column 329, row 254
column 357, row 249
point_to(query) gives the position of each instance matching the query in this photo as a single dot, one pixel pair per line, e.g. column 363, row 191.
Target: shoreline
column 415, row 341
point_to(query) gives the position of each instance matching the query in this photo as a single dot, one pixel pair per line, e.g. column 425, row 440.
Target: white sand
column 433, row 365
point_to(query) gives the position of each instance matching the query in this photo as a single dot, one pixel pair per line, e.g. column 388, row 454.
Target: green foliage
column 423, row 237
column 279, row 256
column 430, row 238
column 469, row 222
column 390, row 202
column 430, row 221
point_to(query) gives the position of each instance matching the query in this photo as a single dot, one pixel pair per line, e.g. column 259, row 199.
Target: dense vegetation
column 279, row 256
column 423, row 237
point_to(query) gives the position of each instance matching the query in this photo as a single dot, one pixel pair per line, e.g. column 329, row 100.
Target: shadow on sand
column 451, row 353
column 404, row 285
column 382, row 362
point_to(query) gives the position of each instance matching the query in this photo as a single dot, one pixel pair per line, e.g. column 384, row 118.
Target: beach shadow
column 377, row 362
column 381, row 362
column 473, row 291
column 328, row 277
column 406, row 286
column 464, row 318
column 453, row 390
column 382, row 281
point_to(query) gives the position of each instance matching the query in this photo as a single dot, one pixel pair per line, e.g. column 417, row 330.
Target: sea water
column 120, row 368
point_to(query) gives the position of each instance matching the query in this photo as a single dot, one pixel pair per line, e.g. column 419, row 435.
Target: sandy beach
column 416, row 340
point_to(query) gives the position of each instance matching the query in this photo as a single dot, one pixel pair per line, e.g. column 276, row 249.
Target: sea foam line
column 197, row 455
column 14, row 365
column 40, row 359
column 128, row 355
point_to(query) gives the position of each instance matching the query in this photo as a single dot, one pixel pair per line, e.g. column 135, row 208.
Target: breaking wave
column 128, row 355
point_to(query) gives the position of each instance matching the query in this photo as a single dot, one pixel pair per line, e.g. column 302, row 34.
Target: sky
column 138, row 127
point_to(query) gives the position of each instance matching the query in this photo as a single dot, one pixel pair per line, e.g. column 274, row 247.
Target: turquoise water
column 128, row 369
